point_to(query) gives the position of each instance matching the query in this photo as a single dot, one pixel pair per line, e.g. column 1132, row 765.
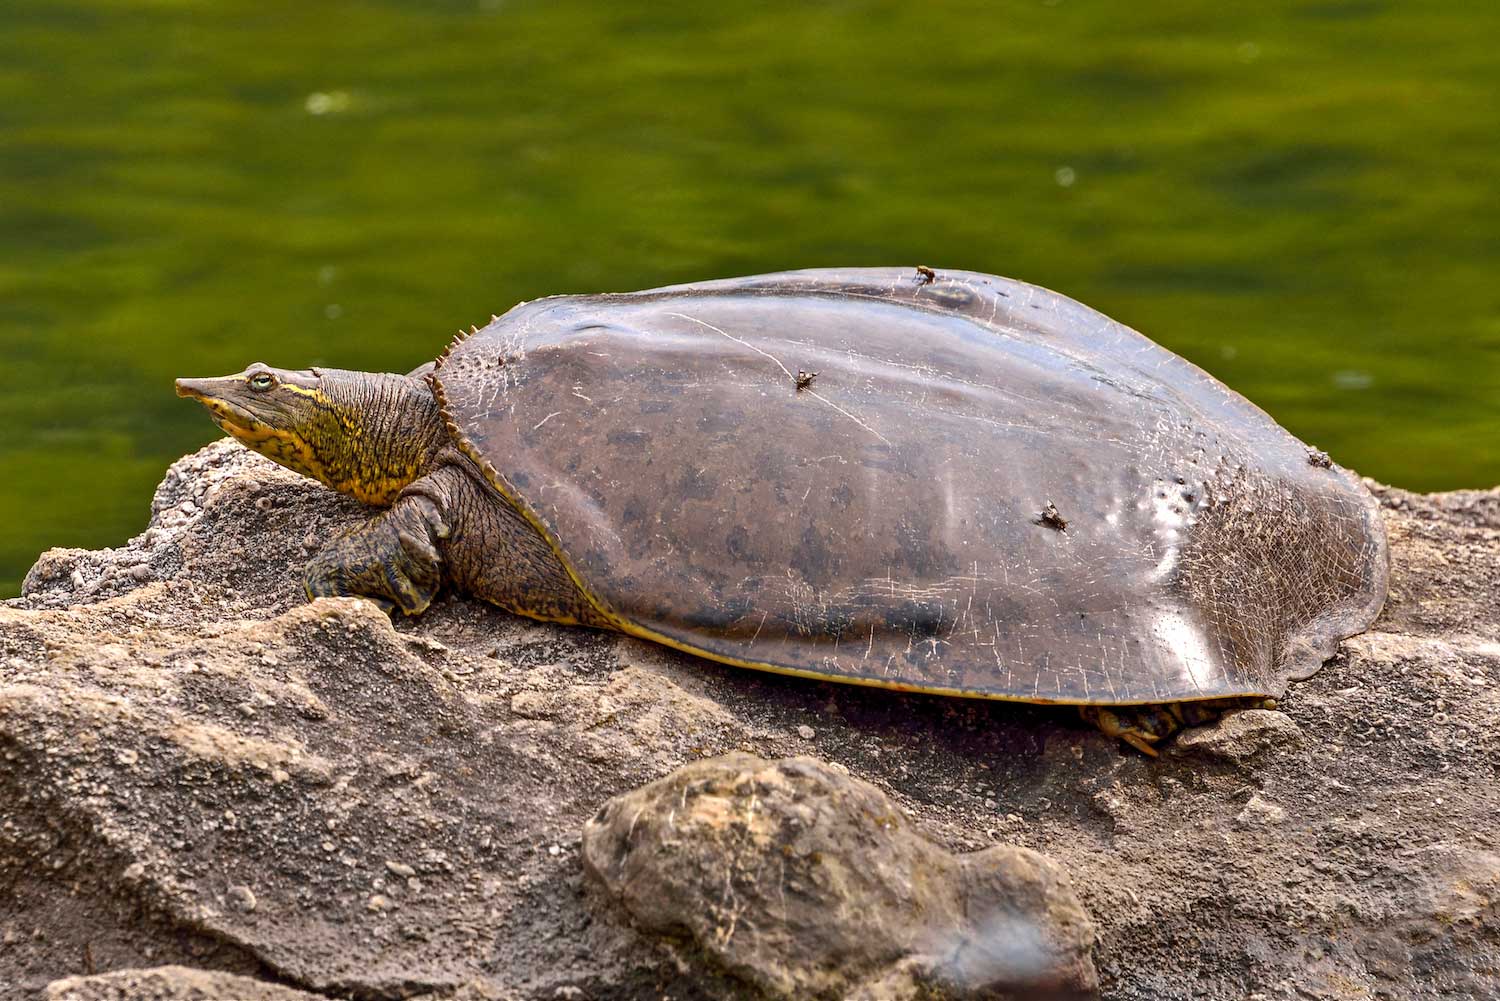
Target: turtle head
column 363, row 434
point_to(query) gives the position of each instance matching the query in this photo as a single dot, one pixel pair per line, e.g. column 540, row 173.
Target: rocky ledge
column 213, row 789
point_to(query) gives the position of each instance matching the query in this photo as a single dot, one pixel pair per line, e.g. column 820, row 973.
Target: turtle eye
column 262, row 381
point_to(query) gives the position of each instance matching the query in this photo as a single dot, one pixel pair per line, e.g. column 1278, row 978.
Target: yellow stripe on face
column 281, row 447
column 312, row 394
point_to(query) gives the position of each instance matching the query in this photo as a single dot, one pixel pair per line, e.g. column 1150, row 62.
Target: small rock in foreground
column 1240, row 736
column 812, row 884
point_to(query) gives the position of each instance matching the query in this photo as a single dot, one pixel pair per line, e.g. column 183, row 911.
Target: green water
column 1301, row 197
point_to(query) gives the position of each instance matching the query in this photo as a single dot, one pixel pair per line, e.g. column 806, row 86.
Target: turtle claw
column 1139, row 743
column 391, row 560
column 386, row 586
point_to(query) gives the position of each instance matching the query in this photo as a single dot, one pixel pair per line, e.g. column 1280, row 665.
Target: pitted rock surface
column 812, row 884
column 197, row 768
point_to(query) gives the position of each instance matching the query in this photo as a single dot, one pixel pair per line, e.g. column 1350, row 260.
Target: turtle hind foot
column 392, row 559
column 1145, row 726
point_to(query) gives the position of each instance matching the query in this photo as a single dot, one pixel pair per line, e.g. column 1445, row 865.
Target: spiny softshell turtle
column 938, row 482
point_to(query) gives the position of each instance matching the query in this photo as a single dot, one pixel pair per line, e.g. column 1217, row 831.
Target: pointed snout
column 196, row 389
column 225, row 398
column 224, row 387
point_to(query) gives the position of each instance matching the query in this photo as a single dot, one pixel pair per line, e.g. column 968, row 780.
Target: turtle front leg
column 392, row 559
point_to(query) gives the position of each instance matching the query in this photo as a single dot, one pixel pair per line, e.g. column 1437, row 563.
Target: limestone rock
column 812, row 884
column 198, row 768
column 1241, row 735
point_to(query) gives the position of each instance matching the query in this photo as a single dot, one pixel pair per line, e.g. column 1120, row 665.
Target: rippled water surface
column 1300, row 197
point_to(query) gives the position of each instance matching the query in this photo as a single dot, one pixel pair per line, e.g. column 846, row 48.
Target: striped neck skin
column 364, row 434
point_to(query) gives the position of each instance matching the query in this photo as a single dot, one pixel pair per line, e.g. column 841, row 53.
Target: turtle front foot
column 1144, row 727
column 392, row 559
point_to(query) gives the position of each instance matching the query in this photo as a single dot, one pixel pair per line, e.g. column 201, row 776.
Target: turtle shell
column 947, row 482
